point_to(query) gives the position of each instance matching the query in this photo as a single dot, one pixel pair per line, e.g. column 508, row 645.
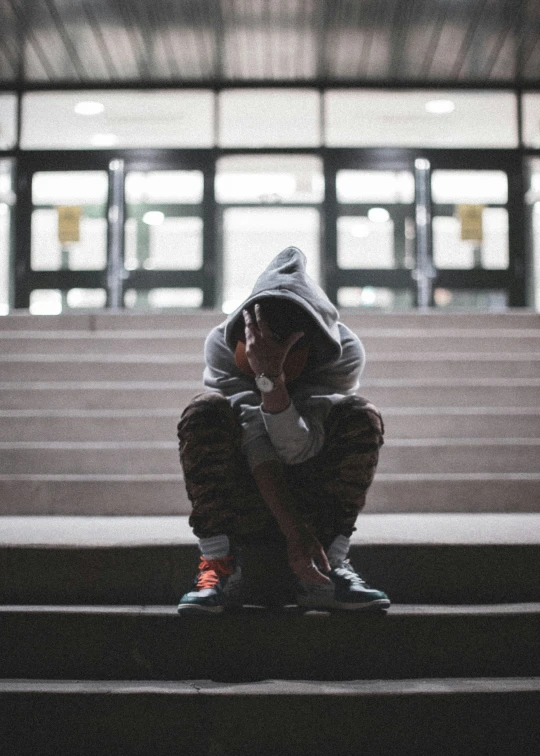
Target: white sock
column 339, row 548
column 215, row 547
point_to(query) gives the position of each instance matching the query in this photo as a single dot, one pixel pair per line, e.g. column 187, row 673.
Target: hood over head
column 286, row 278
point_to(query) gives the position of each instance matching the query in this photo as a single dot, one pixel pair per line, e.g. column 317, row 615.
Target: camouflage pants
column 329, row 489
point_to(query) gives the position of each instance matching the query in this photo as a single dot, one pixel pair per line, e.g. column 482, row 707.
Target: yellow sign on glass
column 69, row 223
column 470, row 217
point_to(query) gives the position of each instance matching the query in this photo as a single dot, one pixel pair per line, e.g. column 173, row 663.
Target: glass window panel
column 86, row 192
column 86, row 298
column 364, row 244
column 450, row 251
column 45, row 302
column 531, row 120
column 54, row 302
column 48, row 253
column 469, row 187
column 370, row 118
column 533, row 198
column 164, row 187
column 176, row 244
column 70, row 188
column 495, row 249
column 158, row 118
column 163, row 298
column 269, row 118
column 464, row 299
column 375, row 186
column 254, row 236
column 7, row 200
column 375, row 297
column 269, row 179
column 8, row 121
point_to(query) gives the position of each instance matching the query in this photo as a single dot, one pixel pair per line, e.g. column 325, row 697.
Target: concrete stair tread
column 464, row 529
column 193, row 385
column 183, row 357
column 255, row 612
column 416, row 687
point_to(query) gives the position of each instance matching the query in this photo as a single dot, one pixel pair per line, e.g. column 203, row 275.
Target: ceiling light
column 153, row 218
column 378, row 215
column 89, row 107
column 104, row 140
column 440, row 106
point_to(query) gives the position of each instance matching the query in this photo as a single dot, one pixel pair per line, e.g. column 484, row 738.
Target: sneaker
column 213, row 586
column 349, row 591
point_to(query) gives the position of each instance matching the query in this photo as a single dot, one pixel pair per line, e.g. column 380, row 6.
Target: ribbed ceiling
column 219, row 42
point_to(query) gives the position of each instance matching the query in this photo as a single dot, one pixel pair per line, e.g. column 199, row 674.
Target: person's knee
column 354, row 414
column 210, row 408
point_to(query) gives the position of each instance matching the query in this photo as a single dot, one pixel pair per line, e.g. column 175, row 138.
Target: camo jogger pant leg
column 330, row 488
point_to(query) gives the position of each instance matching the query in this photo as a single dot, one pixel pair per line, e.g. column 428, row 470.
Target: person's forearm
column 277, row 400
column 271, row 482
column 305, row 554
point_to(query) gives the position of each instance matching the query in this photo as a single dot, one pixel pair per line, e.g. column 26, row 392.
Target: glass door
column 437, row 228
column 62, row 239
column 266, row 203
column 163, row 256
column 120, row 230
column 471, row 239
column 370, row 230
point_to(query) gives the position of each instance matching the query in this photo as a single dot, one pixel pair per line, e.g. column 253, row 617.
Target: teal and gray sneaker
column 348, row 591
column 213, row 586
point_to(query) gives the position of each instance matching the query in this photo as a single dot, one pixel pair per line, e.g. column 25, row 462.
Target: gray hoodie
column 333, row 370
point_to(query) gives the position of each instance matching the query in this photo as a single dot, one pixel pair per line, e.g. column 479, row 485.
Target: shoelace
column 211, row 570
column 347, row 572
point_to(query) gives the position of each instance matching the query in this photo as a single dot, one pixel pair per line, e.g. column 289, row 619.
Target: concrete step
column 160, row 424
column 405, row 456
column 110, row 321
column 469, row 341
column 154, row 494
column 465, row 716
column 395, row 392
column 190, row 366
column 134, row 642
column 418, row 559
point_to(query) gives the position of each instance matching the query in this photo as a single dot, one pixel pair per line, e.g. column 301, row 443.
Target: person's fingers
column 263, row 326
column 312, row 575
column 249, row 327
column 306, row 570
column 322, row 559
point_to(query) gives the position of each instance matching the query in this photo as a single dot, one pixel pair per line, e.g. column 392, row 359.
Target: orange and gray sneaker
column 214, row 586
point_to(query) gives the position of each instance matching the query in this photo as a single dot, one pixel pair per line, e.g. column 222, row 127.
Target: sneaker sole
column 195, row 608
column 379, row 604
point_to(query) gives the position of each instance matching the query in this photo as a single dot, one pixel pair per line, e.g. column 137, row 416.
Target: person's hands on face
column 307, row 557
column 264, row 351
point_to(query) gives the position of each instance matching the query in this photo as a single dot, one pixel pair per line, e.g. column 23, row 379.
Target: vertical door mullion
column 424, row 272
column 212, row 254
column 116, row 211
column 329, row 264
column 22, row 236
column 519, row 264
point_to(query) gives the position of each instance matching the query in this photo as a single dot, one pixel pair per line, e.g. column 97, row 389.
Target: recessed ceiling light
column 104, row 140
column 440, row 106
column 89, row 107
column 153, row 217
column 378, row 215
